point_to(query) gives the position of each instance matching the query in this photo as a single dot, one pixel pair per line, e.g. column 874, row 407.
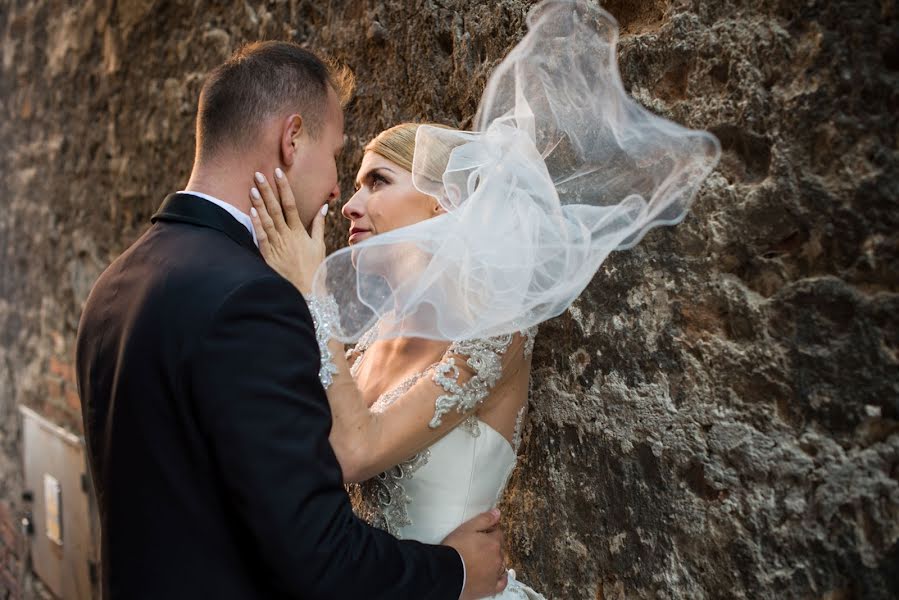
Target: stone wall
column 716, row 416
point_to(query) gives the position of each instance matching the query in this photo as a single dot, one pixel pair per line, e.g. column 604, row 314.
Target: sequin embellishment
column 324, row 315
column 485, row 359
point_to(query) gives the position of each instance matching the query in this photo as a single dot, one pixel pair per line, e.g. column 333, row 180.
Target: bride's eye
column 376, row 179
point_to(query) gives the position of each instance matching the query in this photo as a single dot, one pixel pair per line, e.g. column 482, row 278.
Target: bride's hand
column 283, row 240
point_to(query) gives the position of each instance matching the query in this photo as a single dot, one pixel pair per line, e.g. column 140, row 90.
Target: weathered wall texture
column 715, row 417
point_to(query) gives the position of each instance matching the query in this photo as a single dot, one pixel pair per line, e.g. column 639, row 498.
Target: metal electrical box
column 64, row 544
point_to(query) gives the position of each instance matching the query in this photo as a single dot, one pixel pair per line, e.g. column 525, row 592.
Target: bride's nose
column 353, row 209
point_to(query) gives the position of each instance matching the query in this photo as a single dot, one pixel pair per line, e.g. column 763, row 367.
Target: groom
column 206, row 426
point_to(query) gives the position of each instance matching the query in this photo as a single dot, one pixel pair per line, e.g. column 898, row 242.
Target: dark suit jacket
column 207, row 432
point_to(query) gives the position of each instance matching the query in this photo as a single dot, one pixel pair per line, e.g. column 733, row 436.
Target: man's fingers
column 262, row 215
column 496, row 534
column 271, row 200
column 288, row 202
column 483, row 521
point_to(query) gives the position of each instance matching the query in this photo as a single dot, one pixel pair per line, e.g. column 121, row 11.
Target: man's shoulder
column 256, row 314
column 198, row 257
column 188, row 273
column 225, row 275
column 265, row 292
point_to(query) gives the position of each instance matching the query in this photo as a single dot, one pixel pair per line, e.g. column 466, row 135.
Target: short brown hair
column 258, row 81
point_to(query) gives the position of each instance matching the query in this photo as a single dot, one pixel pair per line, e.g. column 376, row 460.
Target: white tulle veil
column 561, row 169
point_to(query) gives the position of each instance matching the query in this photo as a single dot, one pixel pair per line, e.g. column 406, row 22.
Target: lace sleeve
column 484, row 360
column 324, row 315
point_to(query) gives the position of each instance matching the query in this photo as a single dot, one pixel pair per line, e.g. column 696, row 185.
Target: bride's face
column 385, row 199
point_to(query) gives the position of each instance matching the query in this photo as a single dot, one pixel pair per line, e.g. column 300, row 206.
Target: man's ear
column 291, row 131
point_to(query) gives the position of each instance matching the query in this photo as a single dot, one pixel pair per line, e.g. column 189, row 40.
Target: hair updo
column 397, row 145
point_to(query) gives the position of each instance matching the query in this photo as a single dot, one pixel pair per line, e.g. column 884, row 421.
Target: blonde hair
column 397, row 145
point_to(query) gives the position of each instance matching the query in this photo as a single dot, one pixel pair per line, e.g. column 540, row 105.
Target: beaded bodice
column 459, row 476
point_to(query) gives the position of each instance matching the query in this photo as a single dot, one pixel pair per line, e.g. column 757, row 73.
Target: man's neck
column 231, row 185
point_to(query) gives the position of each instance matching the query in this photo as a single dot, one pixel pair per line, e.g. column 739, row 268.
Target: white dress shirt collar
column 242, row 218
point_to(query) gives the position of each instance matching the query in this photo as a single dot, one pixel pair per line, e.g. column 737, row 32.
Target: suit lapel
column 187, row 208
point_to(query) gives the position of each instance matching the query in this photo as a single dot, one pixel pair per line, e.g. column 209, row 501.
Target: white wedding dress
column 458, row 477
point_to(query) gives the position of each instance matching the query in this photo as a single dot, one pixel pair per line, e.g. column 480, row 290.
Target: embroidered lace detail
column 485, row 358
column 389, row 397
column 471, row 426
column 361, row 346
column 324, row 315
column 519, row 426
column 366, row 340
column 382, row 501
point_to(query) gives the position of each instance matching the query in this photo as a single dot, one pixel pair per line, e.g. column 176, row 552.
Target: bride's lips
column 356, row 234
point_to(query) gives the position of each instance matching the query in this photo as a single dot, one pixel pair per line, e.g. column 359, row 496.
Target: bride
column 460, row 244
column 431, row 428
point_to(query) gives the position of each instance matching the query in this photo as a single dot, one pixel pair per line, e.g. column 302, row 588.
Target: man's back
column 157, row 482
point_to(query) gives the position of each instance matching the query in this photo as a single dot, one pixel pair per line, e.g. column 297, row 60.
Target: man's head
column 276, row 103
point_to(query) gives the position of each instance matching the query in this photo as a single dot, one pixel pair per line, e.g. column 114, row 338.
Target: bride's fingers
column 288, row 202
column 266, row 225
column 261, row 237
column 318, row 225
column 272, row 203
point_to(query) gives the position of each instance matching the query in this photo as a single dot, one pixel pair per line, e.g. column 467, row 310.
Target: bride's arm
column 368, row 441
column 365, row 441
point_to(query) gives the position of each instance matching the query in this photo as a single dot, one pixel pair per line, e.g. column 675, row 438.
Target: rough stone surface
column 716, row 416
